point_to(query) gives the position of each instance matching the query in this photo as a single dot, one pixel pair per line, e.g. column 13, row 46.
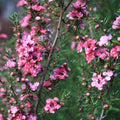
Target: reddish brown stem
column 49, row 57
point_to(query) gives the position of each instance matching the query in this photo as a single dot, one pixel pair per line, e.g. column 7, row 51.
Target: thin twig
column 102, row 113
column 48, row 61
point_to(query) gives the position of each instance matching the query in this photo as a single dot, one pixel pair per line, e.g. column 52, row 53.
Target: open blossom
column 14, row 109
column 1, row 117
column 74, row 14
column 79, row 46
column 73, row 45
column 50, row 0
column 115, row 51
column 89, row 45
column 47, row 84
column 25, row 21
column 102, row 53
column 52, row 105
column 60, row 73
column 31, row 117
column 3, row 36
column 98, row 81
column 108, row 75
column 81, row 5
column 22, row 3
column 104, row 40
column 34, row 86
column 11, row 64
column 29, row 53
column 90, row 56
column 38, row 8
column 116, row 23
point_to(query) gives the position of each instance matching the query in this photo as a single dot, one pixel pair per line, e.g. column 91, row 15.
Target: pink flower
column 115, row 51
column 47, row 84
column 52, row 77
column 82, row 26
column 37, row 18
column 60, row 73
column 3, row 36
column 90, row 56
column 52, row 105
column 23, row 86
column 22, row 97
column 79, row 47
column 104, row 40
column 79, row 3
column 29, row 53
column 22, row 3
column 102, row 53
column 108, row 75
column 1, row 117
column 14, row 109
column 43, row 31
column 50, row 0
column 31, row 117
column 98, row 81
column 11, row 64
column 97, row 26
column 73, row 45
column 74, row 14
column 116, row 23
column 34, row 86
column 25, row 21
column 19, row 117
column 38, row 8
column 89, row 45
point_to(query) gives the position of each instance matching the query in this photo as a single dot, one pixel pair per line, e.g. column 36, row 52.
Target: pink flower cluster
column 104, row 40
column 29, row 49
column 108, row 74
column 29, row 53
column 102, row 53
column 1, row 117
column 90, row 46
column 116, row 23
column 25, row 21
column 91, row 50
column 38, row 8
column 80, row 10
column 3, row 36
column 99, row 81
column 59, row 74
column 34, row 86
column 11, row 64
column 52, row 105
column 115, row 51
column 22, row 3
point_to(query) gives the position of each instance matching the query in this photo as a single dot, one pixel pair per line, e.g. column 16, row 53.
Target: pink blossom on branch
column 102, row 53
column 116, row 23
column 11, row 64
column 115, row 51
column 52, row 105
column 60, row 72
column 34, row 86
column 98, row 81
column 104, row 40
column 79, row 46
column 74, row 14
column 3, row 36
column 22, row 3
column 25, row 21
